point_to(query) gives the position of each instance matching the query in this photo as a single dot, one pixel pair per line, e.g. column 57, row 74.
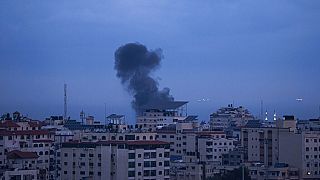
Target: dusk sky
column 226, row 51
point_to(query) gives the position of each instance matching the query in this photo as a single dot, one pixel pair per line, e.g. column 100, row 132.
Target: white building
column 115, row 160
column 230, row 116
column 155, row 116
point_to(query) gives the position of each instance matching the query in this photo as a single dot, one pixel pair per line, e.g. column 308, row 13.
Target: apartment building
column 28, row 137
column 279, row 171
column 21, row 165
column 158, row 115
column 212, row 146
column 261, row 144
column 230, row 116
column 139, row 160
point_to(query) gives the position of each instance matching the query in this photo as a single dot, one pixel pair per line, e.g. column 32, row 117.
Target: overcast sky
column 224, row 50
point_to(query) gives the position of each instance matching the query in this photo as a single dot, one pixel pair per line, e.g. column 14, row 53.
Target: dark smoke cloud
column 134, row 63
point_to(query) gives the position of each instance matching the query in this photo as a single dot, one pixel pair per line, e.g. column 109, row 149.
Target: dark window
column 131, row 173
column 132, row 155
column 131, row 164
column 166, row 163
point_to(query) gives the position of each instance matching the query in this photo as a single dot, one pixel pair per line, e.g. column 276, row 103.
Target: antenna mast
column 65, row 102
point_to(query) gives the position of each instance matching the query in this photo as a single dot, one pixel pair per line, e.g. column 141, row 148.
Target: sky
column 231, row 51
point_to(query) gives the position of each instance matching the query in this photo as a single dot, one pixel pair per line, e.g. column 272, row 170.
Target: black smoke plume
column 134, row 63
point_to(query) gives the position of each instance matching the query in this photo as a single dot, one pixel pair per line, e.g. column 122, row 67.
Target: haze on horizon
column 225, row 51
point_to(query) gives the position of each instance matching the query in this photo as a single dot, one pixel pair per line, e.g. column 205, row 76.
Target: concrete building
column 21, row 165
column 115, row 160
column 28, row 136
column 280, row 171
column 158, row 115
column 211, row 147
column 228, row 117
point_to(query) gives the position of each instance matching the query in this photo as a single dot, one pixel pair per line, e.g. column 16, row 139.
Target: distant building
column 155, row 116
column 229, row 117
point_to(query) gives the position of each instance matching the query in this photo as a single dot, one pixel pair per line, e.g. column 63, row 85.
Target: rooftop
column 21, row 155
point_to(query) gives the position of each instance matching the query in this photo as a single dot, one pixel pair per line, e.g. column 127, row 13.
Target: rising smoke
column 134, row 63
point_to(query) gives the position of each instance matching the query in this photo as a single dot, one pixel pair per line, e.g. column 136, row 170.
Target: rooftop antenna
column 65, row 102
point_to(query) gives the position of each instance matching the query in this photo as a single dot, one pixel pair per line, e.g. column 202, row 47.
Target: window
column 307, row 148
column 131, row 164
column 82, row 172
column 315, row 149
column 82, row 155
column 65, row 163
column 65, row 172
column 160, row 154
column 164, row 136
column 160, row 172
column 132, row 155
column 153, row 173
column 160, row 164
column 307, row 140
column 166, row 154
column 144, row 137
column 91, row 155
column 166, row 163
column 146, row 173
column 146, row 164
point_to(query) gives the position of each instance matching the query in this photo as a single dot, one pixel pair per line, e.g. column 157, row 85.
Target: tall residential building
column 230, row 117
column 115, row 160
column 155, row 116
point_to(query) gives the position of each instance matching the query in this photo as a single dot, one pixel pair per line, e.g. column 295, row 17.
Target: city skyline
column 241, row 52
